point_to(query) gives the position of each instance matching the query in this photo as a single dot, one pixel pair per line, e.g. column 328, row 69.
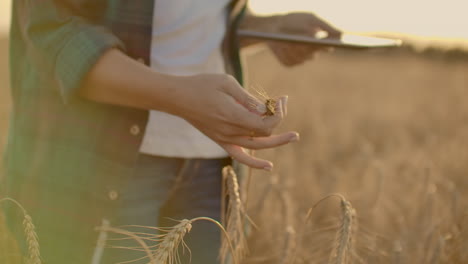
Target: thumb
column 332, row 32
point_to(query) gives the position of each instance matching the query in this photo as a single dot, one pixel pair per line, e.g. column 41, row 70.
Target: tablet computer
column 350, row 41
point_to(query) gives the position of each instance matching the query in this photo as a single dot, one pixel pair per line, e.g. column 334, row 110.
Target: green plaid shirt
column 61, row 145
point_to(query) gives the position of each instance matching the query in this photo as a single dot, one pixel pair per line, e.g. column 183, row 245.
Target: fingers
column 302, row 53
column 266, row 125
column 263, row 128
column 266, row 142
column 254, row 141
column 308, row 22
column 239, row 154
column 325, row 26
column 293, row 54
column 284, row 104
column 247, row 112
column 241, row 96
column 278, row 116
column 332, row 31
column 260, row 125
column 249, row 122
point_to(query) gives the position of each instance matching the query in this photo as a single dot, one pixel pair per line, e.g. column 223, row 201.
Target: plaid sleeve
column 63, row 45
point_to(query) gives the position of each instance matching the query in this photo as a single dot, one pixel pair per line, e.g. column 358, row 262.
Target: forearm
column 118, row 79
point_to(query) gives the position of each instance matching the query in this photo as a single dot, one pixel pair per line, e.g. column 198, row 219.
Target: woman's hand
column 304, row 24
column 300, row 24
column 224, row 111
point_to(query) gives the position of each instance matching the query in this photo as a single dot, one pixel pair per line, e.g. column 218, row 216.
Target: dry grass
column 388, row 131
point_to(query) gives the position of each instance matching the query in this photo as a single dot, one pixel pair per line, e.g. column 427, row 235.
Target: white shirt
column 187, row 39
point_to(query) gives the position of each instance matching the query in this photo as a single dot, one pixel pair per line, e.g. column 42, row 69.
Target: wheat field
column 389, row 131
column 384, row 132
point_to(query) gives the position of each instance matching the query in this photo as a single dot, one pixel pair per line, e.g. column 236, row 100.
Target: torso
column 186, row 40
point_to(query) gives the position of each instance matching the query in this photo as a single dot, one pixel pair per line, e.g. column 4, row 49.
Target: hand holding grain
column 214, row 103
column 218, row 106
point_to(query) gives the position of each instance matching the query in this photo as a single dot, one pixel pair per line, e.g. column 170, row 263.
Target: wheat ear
column 34, row 254
column 343, row 248
column 167, row 251
column 233, row 221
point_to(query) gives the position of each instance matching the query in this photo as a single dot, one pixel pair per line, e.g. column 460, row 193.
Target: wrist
column 165, row 92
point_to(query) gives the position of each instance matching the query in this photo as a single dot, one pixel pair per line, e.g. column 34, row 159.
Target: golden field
column 388, row 130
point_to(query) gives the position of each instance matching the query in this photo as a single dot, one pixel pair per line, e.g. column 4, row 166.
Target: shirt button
column 135, row 130
column 113, row 195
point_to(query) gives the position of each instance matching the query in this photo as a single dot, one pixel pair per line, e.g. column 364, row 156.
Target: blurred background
column 388, row 129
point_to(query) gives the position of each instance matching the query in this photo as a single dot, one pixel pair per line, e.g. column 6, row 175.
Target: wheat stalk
column 34, row 254
column 139, row 240
column 234, row 219
column 289, row 250
column 290, row 243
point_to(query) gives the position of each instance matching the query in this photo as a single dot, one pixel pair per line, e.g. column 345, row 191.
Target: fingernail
column 294, row 138
column 261, row 109
column 269, row 168
column 285, row 105
column 281, row 108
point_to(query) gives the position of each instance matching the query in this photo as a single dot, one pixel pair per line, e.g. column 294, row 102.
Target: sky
column 426, row 18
